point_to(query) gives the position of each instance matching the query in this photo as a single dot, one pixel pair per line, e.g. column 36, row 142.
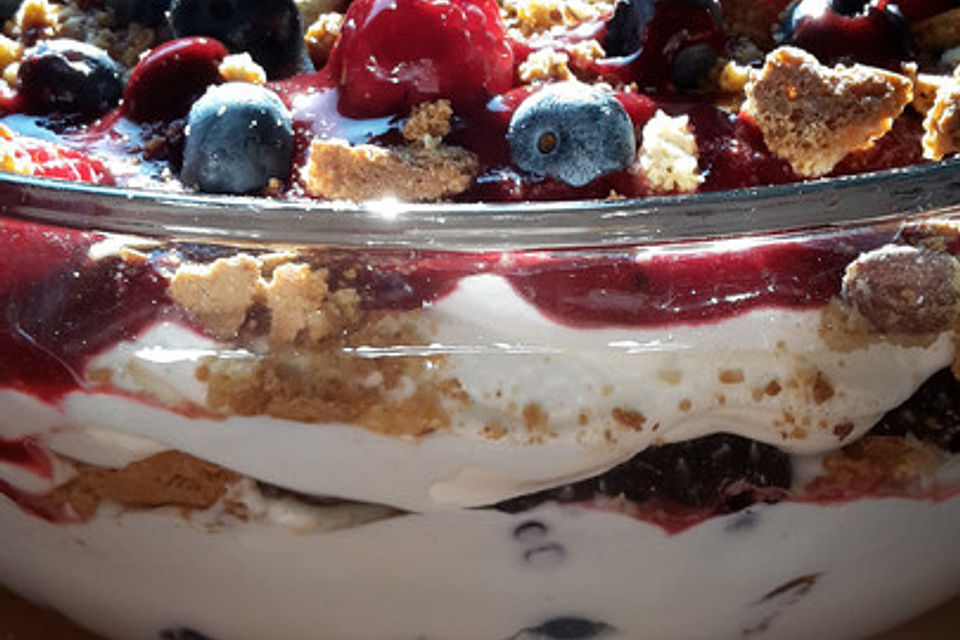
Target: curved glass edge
column 921, row 189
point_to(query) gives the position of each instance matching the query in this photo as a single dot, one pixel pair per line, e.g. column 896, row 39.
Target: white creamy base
column 463, row 575
column 507, row 356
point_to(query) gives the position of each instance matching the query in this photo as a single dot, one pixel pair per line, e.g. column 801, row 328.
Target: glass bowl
column 718, row 416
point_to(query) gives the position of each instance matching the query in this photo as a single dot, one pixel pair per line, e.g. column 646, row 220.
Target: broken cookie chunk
column 812, row 115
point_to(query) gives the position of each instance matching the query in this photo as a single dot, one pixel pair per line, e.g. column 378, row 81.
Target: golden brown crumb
column 428, row 123
column 293, row 295
column 633, row 420
column 240, row 67
column 938, row 32
column 337, row 170
column 731, row 376
column 942, row 124
column 320, row 37
column 218, row 294
column 877, row 465
column 528, row 17
column 36, row 19
column 312, row 10
column 170, row 478
column 544, row 65
column 96, row 26
column 812, row 115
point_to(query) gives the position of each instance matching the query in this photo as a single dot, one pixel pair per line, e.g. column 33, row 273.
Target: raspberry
column 392, row 56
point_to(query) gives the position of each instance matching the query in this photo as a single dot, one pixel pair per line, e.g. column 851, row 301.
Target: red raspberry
column 394, row 54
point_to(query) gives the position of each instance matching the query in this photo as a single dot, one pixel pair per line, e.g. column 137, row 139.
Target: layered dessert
column 736, row 431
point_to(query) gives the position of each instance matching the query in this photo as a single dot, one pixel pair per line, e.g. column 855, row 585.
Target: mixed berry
column 550, row 107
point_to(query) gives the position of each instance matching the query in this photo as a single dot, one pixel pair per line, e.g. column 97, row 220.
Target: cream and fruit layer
column 481, row 395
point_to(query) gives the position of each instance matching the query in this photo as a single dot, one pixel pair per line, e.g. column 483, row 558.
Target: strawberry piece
column 392, row 56
column 52, row 161
column 164, row 85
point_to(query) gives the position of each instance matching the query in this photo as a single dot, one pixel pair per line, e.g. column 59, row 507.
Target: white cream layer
column 687, row 381
column 477, row 575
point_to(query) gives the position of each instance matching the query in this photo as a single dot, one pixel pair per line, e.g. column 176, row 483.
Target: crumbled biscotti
column 904, row 289
column 925, row 87
column 584, row 52
column 877, row 465
column 35, row 19
column 942, row 123
column 524, row 18
column 320, row 37
column 240, row 67
column 299, row 300
column 170, row 478
column 338, row 170
column 544, row 65
column 812, row 115
column 938, row 32
column 218, row 294
column 428, row 123
column 96, row 26
column 668, row 154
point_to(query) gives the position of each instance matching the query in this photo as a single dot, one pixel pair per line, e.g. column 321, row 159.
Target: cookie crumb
column 544, row 65
column 428, row 123
column 240, row 67
column 340, row 171
column 668, row 154
column 218, row 294
column 812, row 116
column 942, row 123
column 320, row 37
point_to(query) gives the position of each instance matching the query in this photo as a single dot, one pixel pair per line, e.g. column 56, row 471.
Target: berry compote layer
column 213, row 439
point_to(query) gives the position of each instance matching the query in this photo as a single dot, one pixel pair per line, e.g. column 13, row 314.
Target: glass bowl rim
column 830, row 202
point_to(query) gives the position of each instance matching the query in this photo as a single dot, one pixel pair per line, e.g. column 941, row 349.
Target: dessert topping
column 240, row 67
column 69, row 77
column 368, row 172
column 239, row 136
column 668, row 154
column 383, row 70
column 942, row 123
column 270, row 31
column 904, row 289
column 812, row 116
column 572, row 132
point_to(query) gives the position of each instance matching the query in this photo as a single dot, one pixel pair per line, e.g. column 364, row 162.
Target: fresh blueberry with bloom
column 239, row 136
column 69, row 77
column 572, row 132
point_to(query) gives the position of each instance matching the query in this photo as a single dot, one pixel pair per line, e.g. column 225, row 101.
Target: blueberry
column 626, row 31
column 8, row 8
column 239, row 136
column 146, row 12
column 721, row 472
column 271, row 32
column 571, row 628
column 692, row 65
column 69, row 77
column 572, row 132
column 931, row 414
